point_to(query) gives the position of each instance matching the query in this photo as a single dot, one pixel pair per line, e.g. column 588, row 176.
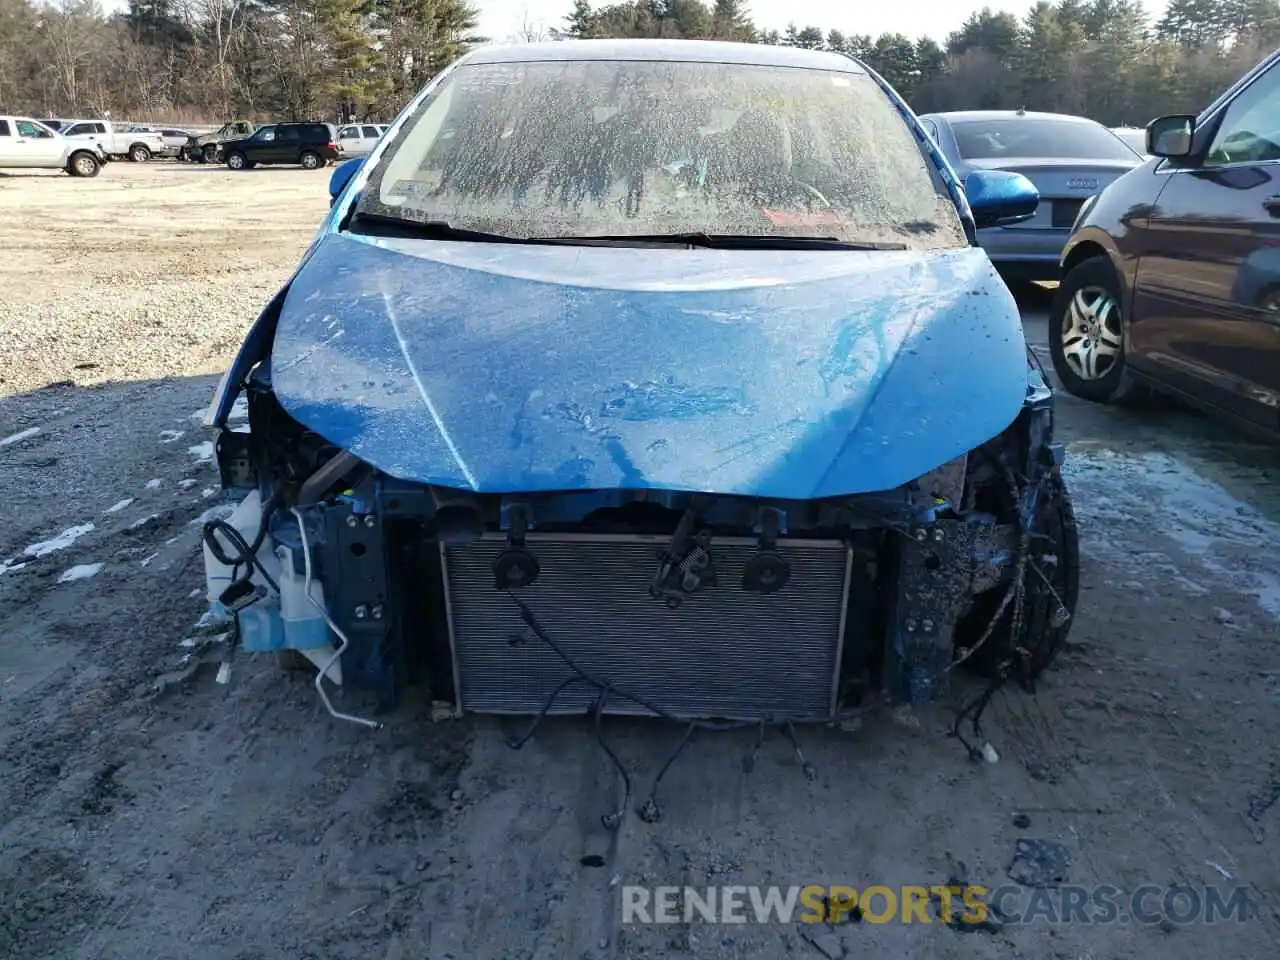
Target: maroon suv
column 1171, row 277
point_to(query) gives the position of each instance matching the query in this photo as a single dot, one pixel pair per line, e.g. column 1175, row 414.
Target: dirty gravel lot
column 149, row 812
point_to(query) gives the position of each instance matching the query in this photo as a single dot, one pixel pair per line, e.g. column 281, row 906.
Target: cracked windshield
column 629, row 149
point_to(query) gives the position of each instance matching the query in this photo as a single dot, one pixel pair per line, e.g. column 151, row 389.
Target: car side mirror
column 1171, row 136
column 998, row 197
column 341, row 176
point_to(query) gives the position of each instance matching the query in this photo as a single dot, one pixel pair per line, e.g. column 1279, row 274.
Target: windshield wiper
column 434, row 229
column 443, row 230
column 727, row 241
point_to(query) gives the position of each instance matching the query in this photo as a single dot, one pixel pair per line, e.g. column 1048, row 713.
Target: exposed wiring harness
column 1015, row 595
column 649, row 811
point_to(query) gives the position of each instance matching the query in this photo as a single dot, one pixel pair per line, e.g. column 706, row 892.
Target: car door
column 262, row 146
column 1206, row 309
column 36, row 145
column 350, row 141
column 288, row 144
column 8, row 146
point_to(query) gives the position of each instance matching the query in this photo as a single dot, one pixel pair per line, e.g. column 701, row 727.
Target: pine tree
column 582, row 22
column 353, row 78
column 730, row 21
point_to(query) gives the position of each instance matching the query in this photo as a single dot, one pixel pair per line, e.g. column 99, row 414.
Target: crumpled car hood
column 506, row 368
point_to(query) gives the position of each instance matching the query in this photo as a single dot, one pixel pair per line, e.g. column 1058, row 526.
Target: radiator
column 724, row 653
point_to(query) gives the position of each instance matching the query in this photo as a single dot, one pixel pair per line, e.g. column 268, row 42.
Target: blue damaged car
column 648, row 377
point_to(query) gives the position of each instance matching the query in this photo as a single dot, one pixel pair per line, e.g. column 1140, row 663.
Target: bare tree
column 529, row 31
column 223, row 20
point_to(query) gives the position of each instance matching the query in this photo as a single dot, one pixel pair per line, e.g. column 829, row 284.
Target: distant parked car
column 174, row 140
column 1068, row 159
column 29, row 143
column 207, row 147
column 359, row 139
column 54, row 125
column 1171, row 278
column 309, row 145
column 171, row 141
column 116, row 141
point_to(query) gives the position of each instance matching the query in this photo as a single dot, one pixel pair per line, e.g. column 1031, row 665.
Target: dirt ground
column 147, row 811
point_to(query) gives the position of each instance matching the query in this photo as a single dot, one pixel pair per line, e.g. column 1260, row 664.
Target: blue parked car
column 650, row 377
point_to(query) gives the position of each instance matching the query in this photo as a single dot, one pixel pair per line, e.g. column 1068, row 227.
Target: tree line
column 216, row 60
column 213, row 60
column 1105, row 59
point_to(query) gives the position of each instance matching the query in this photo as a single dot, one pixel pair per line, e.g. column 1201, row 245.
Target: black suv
column 310, row 145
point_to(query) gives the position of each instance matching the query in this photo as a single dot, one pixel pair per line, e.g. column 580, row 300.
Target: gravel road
column 147, row 811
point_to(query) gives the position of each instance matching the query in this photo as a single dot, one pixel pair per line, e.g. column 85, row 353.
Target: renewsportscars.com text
column 973, row 904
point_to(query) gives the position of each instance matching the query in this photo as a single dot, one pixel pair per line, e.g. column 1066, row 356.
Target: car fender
column 255, row 348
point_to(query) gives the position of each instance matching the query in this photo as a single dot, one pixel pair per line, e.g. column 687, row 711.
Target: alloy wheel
column 85, row 166
column 235, row 161
column 1092, row 339
column 310, row 161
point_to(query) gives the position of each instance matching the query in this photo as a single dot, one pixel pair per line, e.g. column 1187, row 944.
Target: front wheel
column 83, row 165
column 237, row 161
column 210, row 154
column 1086, row 333
column 138, row 153
column 310, row 160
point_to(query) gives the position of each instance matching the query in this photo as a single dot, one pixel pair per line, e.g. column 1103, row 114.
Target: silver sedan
column 1069, row 159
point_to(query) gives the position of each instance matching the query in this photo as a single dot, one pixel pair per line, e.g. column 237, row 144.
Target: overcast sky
column 500, row 19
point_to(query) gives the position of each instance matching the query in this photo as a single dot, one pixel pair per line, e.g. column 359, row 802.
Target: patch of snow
column 219, row 511
column 81, row 571
column 188, row 483
column 1124, row 499
column 146, row 561
column 153, row 483
column 208, row 492
column 195, row 641
column 239, row 409
column 19, row 436
column 144, row 521
column 195, row 592
column 211, row 618
column 171, row 541
column 169, row 436
column 203, row 452
column 63, row 540
column 7, row 565
column 119, row 505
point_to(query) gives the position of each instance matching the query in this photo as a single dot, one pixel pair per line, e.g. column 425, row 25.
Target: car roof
column 965, row 116
column 691, row 51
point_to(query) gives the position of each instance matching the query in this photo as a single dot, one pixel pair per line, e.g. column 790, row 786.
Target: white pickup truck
column 139, row 146
column 29, row 143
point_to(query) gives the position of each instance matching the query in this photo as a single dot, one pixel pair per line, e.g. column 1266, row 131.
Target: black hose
column 246, row 553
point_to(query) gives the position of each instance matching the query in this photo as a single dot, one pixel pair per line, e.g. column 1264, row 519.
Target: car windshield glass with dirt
column 997, row 139
column 596, row 148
